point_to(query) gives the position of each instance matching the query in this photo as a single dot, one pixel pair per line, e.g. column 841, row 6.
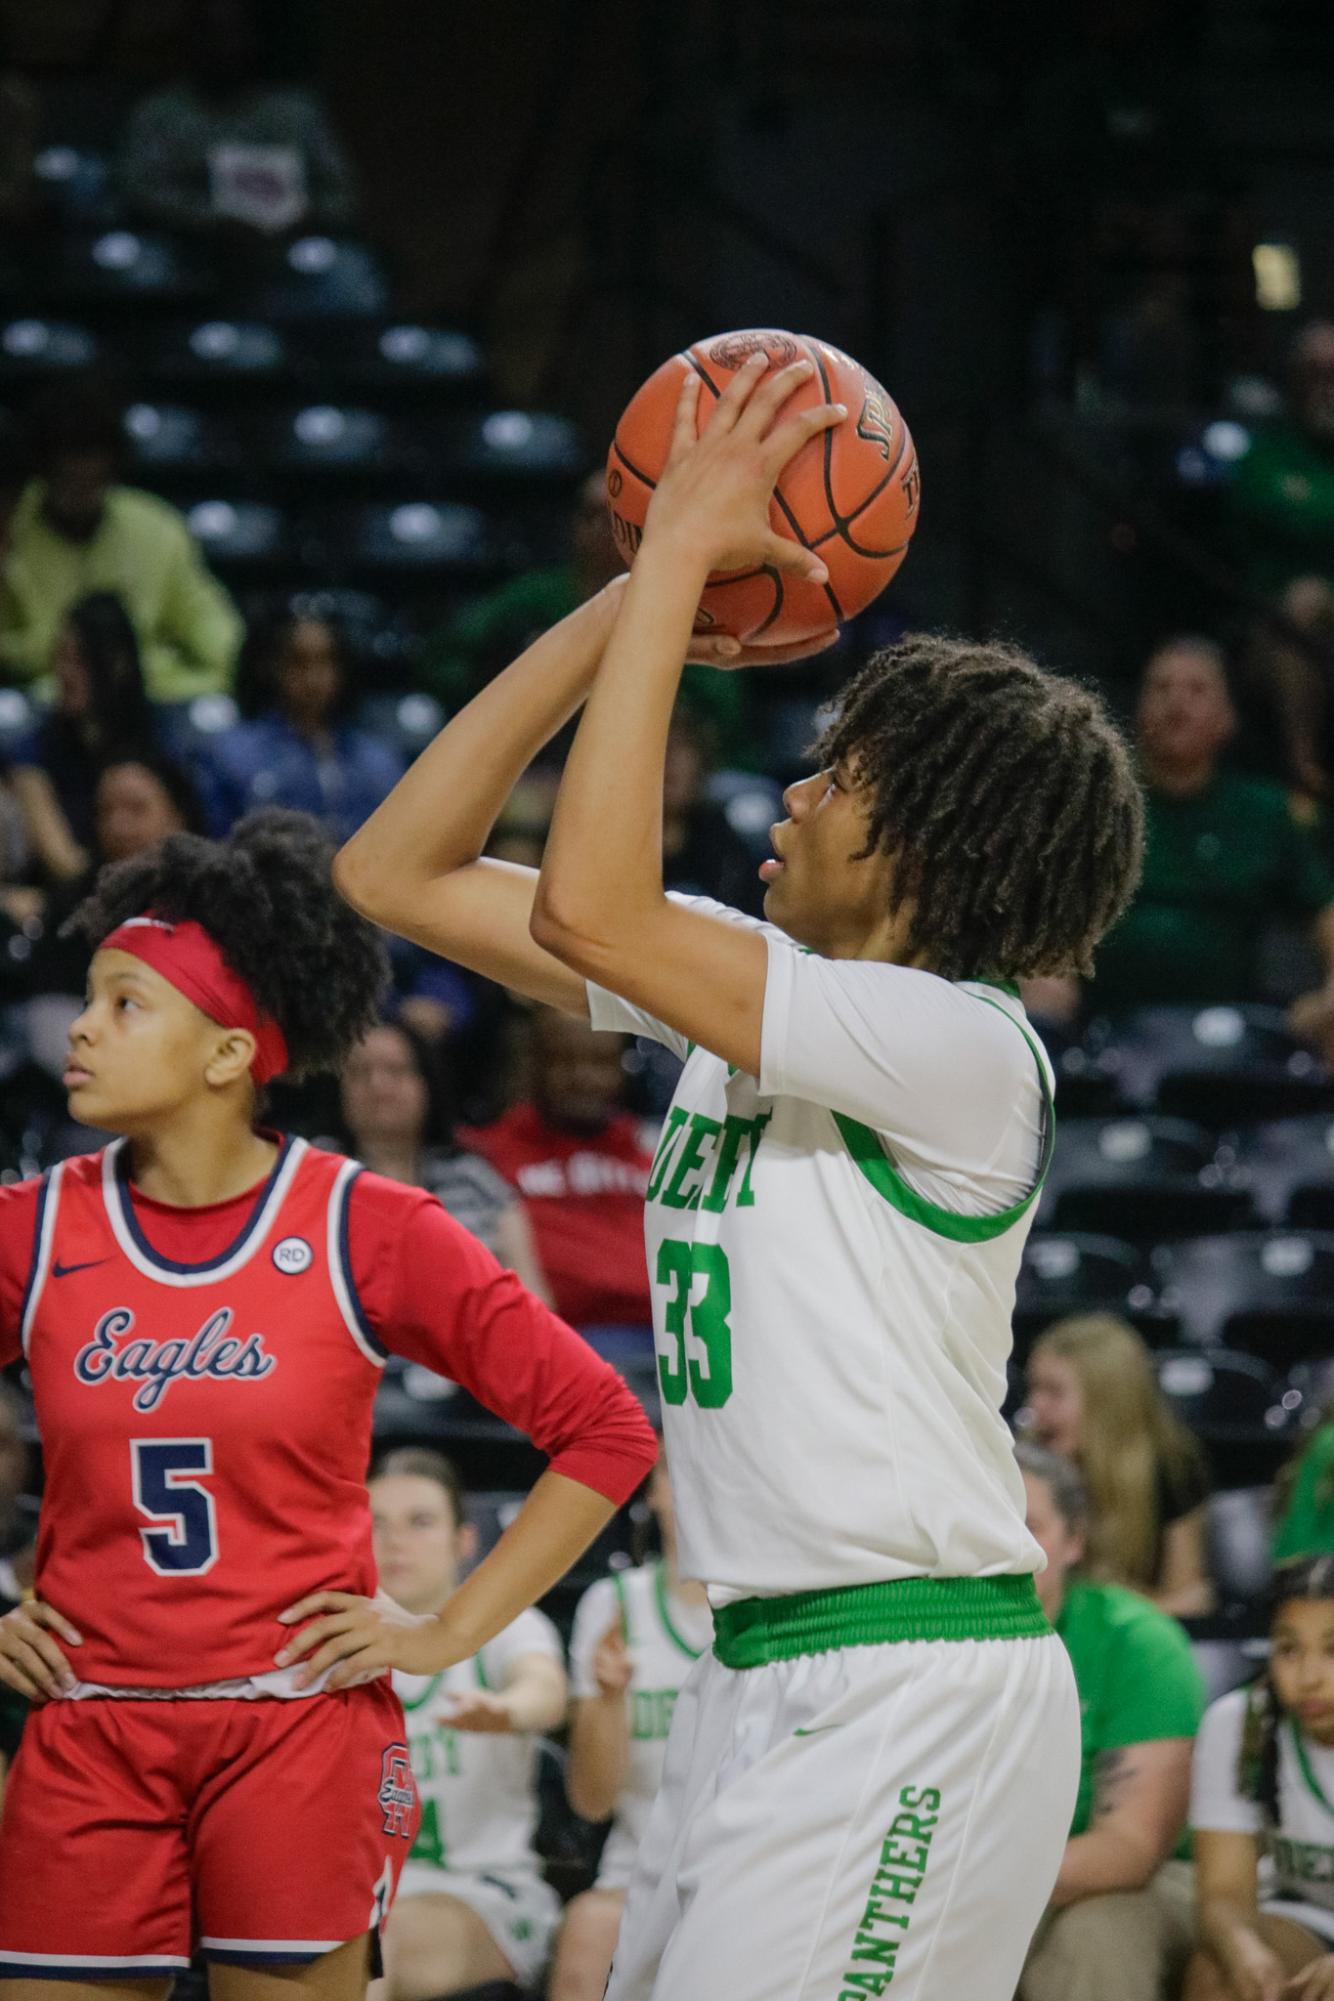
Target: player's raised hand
column 612, row 1666
column 1315, row 1982
column 714, row 494
column 488, row 1714
column 359, row 1638
column 719, row 649
column 30, row 1660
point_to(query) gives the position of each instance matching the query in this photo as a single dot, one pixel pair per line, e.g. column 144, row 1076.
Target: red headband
column 186, row 956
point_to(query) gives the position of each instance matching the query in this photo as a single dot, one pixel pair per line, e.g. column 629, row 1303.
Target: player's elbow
column 356, row 880
column 559, row 931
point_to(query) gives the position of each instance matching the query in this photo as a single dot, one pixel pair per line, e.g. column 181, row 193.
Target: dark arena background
column 357, row 292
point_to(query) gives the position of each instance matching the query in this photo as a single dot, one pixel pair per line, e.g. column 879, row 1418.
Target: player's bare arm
column 600, row 907
column 417, row 865
column 1139, row 1808
column 534, row 1697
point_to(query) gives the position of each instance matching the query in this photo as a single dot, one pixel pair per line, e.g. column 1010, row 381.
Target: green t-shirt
column 1135, row 1673
column 1281, row 504
column 1217, row 867
column 1306, row 1527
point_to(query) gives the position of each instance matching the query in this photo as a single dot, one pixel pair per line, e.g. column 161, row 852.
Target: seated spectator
column 1304, row 1497
column 492, row 630
column 76, row 531
column 225, row 149
column 701, row 856
column 101, row 711
column 1224, row 856
column 1119, row 1926
column 1281, row 495
column 472, row 1905
column 1262, row 1807
column 636, row 1634
column 1290, row 669
column 1093, row 1395
column 301, row 750
column 398, row 1122
column 580, row 1163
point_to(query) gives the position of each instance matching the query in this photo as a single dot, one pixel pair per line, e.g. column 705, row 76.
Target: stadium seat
column 1266, row 1293
column 240, row 534
column 510, row 445
column 1216, row 1064
column 401, row 359
column 1146, row 1179
column 216, row 356
column 168, row 440
column 1309, row 1390
column 331, row 441
column 32, row 349
column 324, row 277
column 406, row 722
column 424, row 535
column 1085, row 1087
column 1289, row 1166
column 124, row 267
column 17, row 719
column 1226, row 1664
column 1066, row 1274
column 751, row 803
column 1233, row 1404
column 1238, row 1532
column 76, row 182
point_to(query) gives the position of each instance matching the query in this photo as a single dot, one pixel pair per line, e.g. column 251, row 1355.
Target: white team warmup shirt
column 1299, row 1879
column 833, row 1250
column 664, row 1637
column 478, row 1790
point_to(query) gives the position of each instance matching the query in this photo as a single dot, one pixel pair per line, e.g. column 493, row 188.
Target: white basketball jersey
column 833, row 1251
column 478, row 1790
column 1302, row 1844
column 664, row 1638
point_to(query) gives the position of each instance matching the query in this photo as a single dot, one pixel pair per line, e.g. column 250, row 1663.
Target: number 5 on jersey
column 183, row 1541
column 705, row 1373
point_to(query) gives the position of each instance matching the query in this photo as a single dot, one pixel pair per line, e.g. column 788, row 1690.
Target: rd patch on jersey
column 293, row 1255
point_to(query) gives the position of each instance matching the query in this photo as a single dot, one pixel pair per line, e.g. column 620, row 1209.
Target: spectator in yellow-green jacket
column 75, row 530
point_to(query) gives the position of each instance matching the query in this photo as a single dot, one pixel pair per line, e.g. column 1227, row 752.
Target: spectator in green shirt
column 1224, row 854
column 1304, row 1493
column 1281, row 498
column 75, row 531
column 1120, row 1924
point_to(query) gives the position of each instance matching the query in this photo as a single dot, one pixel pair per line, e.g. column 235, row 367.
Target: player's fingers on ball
column 740, row 389
column 683, row 421
column 772, row 394
column 786, row 439
column 796, row 560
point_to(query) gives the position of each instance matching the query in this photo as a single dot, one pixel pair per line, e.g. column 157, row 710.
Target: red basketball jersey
column 207, row 1428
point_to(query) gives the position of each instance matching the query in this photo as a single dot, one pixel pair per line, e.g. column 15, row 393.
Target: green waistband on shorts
column 752, row 1631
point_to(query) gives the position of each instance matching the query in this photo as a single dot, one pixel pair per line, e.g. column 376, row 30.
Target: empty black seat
column 215, row 356
column 1234, row 1404
column 241, row 535
column 1269, row 1293
column 1289, row 1165
column 512, row 445
column 75, row 180
column 402, row 359
column 1142, row 1178
column 33, row 348
column 1216, row 1064
column 1083, row 1273
column 323, row 277
column 331, row 441
column 424, row 535
column 170, row 440
column 124, row 267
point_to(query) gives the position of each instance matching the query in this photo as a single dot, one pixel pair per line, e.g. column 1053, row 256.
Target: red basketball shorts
column 136, row 1833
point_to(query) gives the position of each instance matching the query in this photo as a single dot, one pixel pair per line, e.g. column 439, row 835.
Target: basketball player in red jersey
column 217, row 1760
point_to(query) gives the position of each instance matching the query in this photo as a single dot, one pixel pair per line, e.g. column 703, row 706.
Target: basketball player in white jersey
column 473, row 1900
column 870, row 1776
column 636, row 1635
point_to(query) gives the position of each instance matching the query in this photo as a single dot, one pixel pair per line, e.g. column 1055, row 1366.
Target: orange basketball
column 851, row 493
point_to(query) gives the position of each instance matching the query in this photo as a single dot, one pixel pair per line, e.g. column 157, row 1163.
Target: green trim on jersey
column 480, row 1666
column 618, row 1586
column 754, row 1631
column 419, row 1702
column 665, row 1611
column 1306, row 1768
column 870, row 1158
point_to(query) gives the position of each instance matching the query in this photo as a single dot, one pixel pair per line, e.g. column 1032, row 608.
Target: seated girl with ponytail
column 1263, row 1811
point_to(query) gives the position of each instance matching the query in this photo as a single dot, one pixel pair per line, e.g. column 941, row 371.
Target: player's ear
column 233, row 1054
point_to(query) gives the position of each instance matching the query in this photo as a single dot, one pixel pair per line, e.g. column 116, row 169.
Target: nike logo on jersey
column 59, row 1270
column 214, row 1351
column 815, row 1729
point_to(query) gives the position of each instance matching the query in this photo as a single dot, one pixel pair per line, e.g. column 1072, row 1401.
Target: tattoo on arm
column 1113, row 1773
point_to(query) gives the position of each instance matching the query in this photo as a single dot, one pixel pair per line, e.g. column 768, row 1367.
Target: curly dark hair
column 266, row 896
column 1306, row 1577
column 1007, row 796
